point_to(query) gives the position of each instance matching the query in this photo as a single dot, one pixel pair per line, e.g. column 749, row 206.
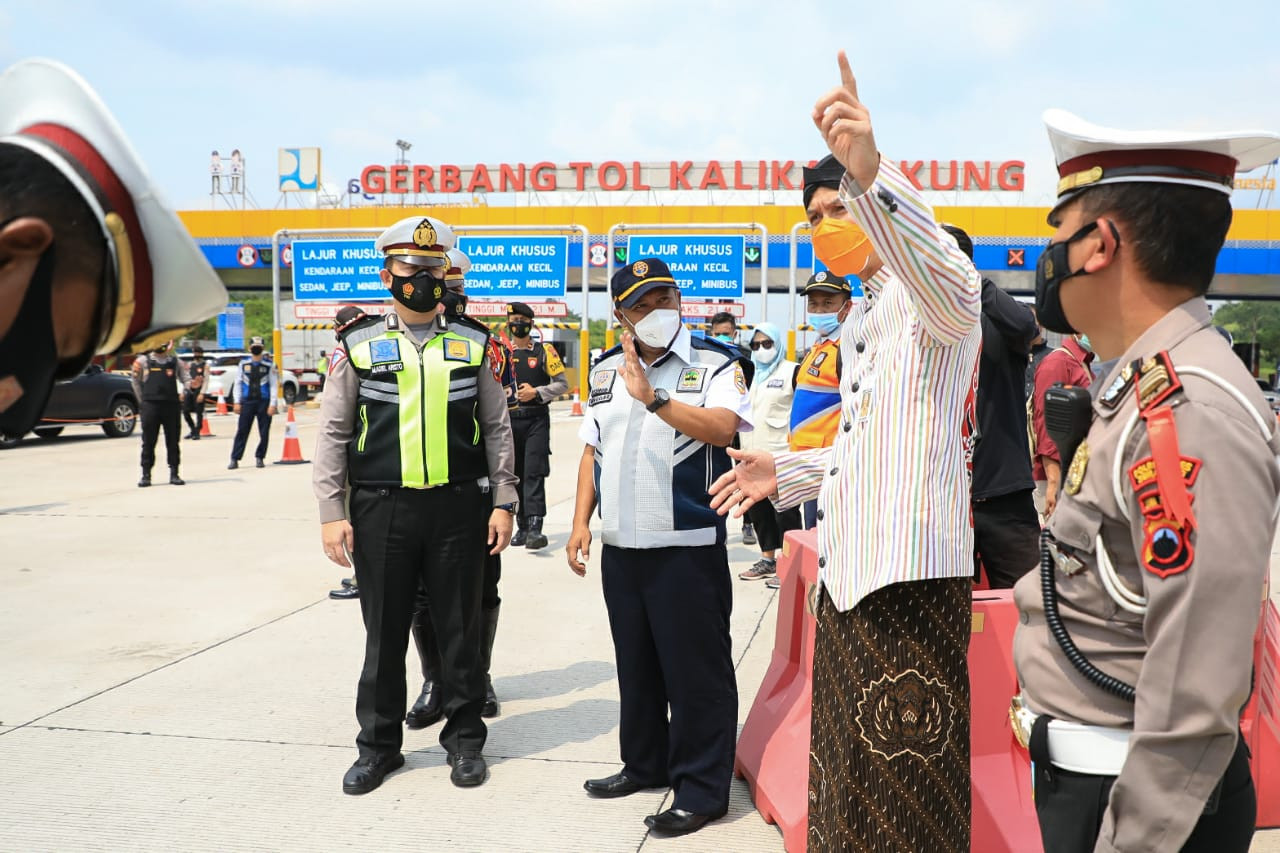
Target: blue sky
column 653, row 80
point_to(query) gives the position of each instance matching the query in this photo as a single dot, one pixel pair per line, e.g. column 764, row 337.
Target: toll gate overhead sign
column 332, row 270
column 705, row 266
column 516, row 267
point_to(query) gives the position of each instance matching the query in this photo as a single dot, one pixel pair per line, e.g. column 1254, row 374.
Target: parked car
column 95, row 397
column 1273, row 396
column 222, row 376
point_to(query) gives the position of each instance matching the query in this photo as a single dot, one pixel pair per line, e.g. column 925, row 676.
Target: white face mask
column 658, row 328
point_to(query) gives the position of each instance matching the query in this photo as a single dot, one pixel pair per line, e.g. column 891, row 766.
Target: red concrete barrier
column 1260, row 723
column 773, row 750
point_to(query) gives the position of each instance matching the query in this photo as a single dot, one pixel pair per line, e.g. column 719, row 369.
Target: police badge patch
column 384, row 356
column 457, row 350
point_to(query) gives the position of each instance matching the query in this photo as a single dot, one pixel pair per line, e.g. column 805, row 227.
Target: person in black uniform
column 1006, row 529
column 155, row 382
column 193, row 393
column 540, row 378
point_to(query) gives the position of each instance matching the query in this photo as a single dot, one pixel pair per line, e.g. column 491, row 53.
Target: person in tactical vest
column 428, row 709
column 193, row 391
column 254, row 394
column 540, row 378
column 414, row 477
column 155, row 382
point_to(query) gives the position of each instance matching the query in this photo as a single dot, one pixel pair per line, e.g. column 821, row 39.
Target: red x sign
column 1016, row 258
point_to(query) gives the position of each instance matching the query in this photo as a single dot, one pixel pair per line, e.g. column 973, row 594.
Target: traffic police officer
column 82, row 227
column 429, row 706
column 662, row 408
column 155, row 382
column 1134, row 648
column 414, row 420
column 540, row 378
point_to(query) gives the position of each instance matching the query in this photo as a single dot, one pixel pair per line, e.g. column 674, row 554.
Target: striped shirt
column 893, row 490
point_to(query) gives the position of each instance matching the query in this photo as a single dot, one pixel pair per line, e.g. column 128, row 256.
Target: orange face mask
column 842, row 246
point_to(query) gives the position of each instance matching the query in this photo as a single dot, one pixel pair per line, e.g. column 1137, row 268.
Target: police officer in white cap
column 429, row 706
column 91, row 260
column 1135, row 644
column 429, row 494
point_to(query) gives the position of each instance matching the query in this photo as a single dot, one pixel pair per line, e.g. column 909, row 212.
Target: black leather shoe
column 518, row 540
column 145, row 480
column 235, row 463
column 369, row 771
column 258, row 463
column 428, row 709
column 469, row 769
column 346, row 582
column 617, row 785
column 678, row 821
column 347, row 592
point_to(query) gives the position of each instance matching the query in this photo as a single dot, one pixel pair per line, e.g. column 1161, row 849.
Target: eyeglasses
column 755, row 345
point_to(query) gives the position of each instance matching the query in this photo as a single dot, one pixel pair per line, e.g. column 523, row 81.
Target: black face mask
column 520, row 330
column 418, row 292
column 455, row 303
column 1052, row 270
column 255, row 350
column 28, row 354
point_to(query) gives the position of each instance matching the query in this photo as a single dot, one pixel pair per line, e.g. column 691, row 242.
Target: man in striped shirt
column 889, row 755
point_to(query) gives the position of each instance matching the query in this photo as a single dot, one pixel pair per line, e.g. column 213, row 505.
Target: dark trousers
column 157, row 413
column 405, row 538
column 771, row 525
column 531, row 429
column 251, row 410
column 192, row 412
column 669, row 614
column 1070, row 807
column 1006, row 537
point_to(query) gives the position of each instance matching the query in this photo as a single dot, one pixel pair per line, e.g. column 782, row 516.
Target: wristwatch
column 511, row 508
column 660, row 399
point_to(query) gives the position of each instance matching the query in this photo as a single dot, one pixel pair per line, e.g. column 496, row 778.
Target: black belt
column 529, row 412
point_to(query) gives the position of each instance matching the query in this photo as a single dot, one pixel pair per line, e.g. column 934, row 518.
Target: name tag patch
column 774, row 383
column 457, row 350
column 384, row 356
column 601, row 387
column 691, row 379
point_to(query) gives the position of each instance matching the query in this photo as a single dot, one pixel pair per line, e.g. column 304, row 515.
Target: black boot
column 174, row 479
column 535, row 540
column 489, row 624
column 146, row 478
column 519, row 538
column 429, row 708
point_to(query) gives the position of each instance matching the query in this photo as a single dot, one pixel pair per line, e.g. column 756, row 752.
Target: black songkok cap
column 828, row 173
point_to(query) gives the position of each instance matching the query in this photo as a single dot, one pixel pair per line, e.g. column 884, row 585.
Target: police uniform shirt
column 157, row 379
column 541, row 367
column 652, row 481
column 1190, row 655
column 338, row 423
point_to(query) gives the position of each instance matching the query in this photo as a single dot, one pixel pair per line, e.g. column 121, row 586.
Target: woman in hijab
column 771, row 392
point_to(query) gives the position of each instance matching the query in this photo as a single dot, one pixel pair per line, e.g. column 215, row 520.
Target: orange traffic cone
column 292, row 449
column 222, row 404
column 205, row 432
column 577, row 407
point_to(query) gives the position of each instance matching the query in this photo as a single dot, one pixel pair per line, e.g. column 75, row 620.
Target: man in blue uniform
column 254, row 394
column 661, row 410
